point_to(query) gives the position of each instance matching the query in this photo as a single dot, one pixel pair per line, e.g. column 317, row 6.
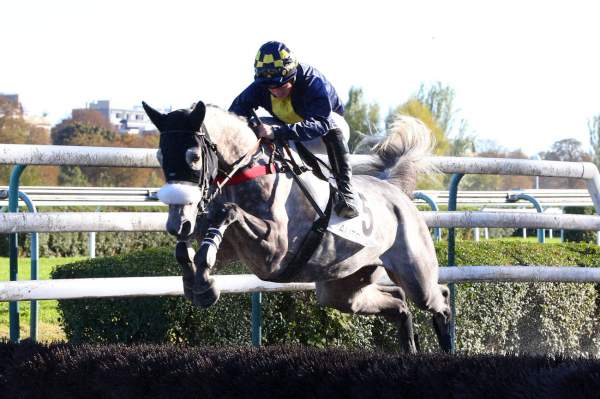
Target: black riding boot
column 337, row 150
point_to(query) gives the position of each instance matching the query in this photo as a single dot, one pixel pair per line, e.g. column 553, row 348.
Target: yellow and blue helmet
column 274, row 64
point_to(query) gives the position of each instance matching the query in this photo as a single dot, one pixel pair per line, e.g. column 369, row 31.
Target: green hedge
column 499, row 318
column 77, row 244
column 579, row 235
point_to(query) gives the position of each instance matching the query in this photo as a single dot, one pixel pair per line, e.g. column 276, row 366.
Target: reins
column 237, row 165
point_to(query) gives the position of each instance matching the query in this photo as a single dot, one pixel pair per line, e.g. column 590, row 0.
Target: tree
column 14, row 129
column 9, row 107
column 568, row 150
column 362, row 118
column 80, row 130
column 440, row 101
column 594, row 129
column 90, row 117
column 81, row 133
column 415, row 108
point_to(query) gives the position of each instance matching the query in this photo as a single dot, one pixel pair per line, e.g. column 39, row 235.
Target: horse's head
column 189, row 162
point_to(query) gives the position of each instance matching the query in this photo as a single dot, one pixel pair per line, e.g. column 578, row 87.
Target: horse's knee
column 435, row 299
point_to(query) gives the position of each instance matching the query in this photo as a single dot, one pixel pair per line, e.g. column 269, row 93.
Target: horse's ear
column 155, row 116
column 197, row 115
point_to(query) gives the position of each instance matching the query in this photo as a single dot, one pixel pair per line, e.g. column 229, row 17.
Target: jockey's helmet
column 274, row 64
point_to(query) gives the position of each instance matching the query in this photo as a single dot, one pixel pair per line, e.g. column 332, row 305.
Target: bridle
column 212, row 180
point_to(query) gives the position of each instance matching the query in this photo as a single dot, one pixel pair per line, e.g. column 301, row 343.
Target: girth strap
column 309, row 245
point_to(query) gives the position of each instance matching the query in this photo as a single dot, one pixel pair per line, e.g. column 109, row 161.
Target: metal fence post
column 13, row 206
column 452, row 200
column 34, row 313
column 256, row 319
column 437, row 232
column 541, row 235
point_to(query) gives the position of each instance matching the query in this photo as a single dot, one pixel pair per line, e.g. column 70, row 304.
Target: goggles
column 269, row 73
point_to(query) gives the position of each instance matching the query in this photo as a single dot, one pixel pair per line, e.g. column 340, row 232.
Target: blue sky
column 526, row 74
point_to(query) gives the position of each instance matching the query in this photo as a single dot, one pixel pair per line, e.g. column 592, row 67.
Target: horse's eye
column 159, row 157
column 192, row 157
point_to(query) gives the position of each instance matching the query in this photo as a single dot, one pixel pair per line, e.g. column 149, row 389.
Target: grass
column 48, row 323
column 554, row 240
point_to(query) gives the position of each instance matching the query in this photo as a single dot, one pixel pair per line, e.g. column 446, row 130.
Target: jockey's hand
column 265, row 131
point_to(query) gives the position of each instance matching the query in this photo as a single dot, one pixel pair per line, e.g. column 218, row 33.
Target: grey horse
column 264, row 222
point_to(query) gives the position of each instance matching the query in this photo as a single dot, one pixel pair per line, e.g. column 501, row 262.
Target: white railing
column 155, row 221
column 146, row 196
column 246, row 283
column 104, row 156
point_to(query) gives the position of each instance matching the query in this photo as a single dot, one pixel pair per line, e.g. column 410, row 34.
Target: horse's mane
column 229, row 131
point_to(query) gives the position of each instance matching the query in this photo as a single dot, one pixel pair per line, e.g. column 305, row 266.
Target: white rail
column 146, row 196
column 155, row 221
column 243, row 283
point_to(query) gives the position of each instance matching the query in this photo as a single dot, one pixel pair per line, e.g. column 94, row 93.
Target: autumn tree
column 439, row 99
column 14, row 129
column 567, row 150
column 416, row 109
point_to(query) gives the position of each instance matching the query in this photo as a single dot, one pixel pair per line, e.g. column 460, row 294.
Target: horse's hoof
column 206, row 297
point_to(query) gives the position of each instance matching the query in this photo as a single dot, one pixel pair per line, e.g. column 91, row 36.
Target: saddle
column 327, row 221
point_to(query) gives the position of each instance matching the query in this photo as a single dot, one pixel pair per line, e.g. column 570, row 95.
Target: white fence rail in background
column 244, row 283
column 155, row 221
column 146, row 196
column 136, row 157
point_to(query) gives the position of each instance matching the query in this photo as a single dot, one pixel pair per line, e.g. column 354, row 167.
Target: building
column 15, row 105
column 17, row 112
column 130, row 121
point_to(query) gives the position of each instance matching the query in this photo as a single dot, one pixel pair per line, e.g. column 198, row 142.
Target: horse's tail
column 400, row 155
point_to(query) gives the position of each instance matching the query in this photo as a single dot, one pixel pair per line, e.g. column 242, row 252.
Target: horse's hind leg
column 433, row 297
column 360, row 294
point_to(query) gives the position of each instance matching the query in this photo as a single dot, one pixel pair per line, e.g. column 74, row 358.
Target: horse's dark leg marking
column 184, row 253
column 205, row 293
column 402, row 318
column 441, row 322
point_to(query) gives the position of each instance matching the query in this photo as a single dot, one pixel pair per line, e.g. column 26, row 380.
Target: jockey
column 307, row 104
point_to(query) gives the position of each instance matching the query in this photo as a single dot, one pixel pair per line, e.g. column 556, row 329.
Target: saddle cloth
column 359, row 229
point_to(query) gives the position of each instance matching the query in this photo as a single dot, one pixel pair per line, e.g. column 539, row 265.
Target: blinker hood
column 173, row 146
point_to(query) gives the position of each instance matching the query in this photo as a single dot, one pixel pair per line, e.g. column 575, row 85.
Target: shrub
column 77, row 244
column 579, row 235
column 500, row 318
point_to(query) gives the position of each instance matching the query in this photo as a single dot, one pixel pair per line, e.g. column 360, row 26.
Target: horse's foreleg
column 184, row 253
column 205, row 293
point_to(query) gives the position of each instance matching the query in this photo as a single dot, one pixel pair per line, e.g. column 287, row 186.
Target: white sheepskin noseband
column 179, row 194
